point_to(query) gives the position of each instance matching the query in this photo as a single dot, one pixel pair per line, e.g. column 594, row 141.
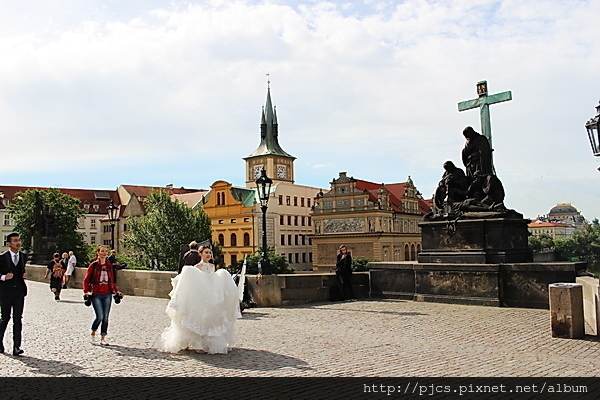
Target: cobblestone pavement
column 365, row 338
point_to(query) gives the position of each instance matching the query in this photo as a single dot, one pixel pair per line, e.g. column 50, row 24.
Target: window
column 309, row 221
column 303, row 219
column 303, row 257
column 307, row 202
column 281, row 220
column 221, row 221
column 246, row 239
column 233, row 220
column 106, row 242
column 287, row 200
column 124, row 227
column 289, row 219
column 233, row 240
column 295, row 201
column 297, row 258
column 93, row 239
column 96, row 207
column 7, row 220
column 289, row 240
column 93, row 223
column 233, row 259
column 246, row 219
column 283, row 240
column 301, row 201
column 221, row 239
column 303, row 240
column 310, row 257
column 86, row 207
column 296, row 240
column 280, row 199
column 310, row 243
column 296, row 220
column 290, row 258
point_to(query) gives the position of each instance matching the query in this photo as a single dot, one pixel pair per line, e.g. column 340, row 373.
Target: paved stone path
column 365, row 338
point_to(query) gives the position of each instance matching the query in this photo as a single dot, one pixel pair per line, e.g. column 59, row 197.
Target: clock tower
column 269, row 155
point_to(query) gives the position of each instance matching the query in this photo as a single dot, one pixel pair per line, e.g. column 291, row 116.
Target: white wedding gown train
column 203, row 308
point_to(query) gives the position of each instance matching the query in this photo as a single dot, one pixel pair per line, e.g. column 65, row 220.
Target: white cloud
column 139, row 85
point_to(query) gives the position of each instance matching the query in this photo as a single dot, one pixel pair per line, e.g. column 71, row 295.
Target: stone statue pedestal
column 479, row 240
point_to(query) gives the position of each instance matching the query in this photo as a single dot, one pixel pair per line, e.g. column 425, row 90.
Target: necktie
column 16, row 259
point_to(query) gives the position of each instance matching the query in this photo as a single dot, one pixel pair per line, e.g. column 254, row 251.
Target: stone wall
column 267, row 291
column 591, row 306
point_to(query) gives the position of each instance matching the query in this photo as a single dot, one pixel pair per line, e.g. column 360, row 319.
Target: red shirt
column 100, row 278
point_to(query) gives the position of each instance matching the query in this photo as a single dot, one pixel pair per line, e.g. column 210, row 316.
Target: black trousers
column 346, row 281
column 15, row 304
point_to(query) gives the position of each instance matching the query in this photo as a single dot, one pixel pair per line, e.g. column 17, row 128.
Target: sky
column 95, row 94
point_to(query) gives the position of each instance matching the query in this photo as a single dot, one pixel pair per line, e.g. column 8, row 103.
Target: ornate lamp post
column 263, row 187
column 113, row 217
column 593, row 131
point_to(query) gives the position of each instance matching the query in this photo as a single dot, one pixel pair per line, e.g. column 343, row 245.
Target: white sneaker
column 93, row 339
column 103, row 342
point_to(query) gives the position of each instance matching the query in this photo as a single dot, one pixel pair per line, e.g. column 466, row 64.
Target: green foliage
column 360, row 263
column 538, row 243
column 279, row 264
column 583, row 245
column 61, row 213
column 155, row 238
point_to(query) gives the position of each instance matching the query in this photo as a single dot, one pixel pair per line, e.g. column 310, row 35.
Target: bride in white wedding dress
column 203, row 308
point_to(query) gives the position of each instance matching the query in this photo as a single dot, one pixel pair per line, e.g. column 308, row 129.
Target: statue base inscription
column 475, row 241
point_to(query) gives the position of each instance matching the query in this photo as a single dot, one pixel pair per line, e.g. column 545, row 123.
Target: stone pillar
column 566, row 310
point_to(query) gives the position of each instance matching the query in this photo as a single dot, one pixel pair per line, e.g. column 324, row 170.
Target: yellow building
column 232, row 213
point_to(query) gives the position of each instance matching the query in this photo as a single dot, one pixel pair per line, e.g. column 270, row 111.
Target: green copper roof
column 245, row 196
column 269, row 143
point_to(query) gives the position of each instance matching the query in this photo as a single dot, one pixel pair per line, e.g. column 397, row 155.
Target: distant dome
column 561, row 209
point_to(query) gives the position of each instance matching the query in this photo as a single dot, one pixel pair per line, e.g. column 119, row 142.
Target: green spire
column 269, row 143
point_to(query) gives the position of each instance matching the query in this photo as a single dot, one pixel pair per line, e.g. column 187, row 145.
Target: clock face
column 257, row 171
column 281, row 171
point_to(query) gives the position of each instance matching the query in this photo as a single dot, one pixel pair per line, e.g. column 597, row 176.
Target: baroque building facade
column 373, row 220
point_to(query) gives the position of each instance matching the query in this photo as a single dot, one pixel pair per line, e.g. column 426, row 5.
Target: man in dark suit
column 12, row 290
column 192, row 257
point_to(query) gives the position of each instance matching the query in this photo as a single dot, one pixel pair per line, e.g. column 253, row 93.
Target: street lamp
column 113, row 217
column 263, row 188
column 593, row 130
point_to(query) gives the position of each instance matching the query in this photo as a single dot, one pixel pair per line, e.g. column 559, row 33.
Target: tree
column 60, row 225
column 155, row 238
column 538, row 243
column 279, row 264
column 583, row 245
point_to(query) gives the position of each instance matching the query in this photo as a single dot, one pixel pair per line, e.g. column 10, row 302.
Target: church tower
column 269, row 155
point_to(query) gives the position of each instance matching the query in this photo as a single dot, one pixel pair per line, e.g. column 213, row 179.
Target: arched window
column 233, row 240
column 221, row 239
column 413, row 254
column 418, row 248
column 406, row 253
column 246, row 239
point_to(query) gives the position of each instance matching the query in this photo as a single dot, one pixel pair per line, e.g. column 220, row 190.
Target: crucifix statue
column 483, row 102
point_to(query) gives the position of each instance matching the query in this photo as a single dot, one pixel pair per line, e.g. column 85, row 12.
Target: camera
column 87, row 300
column 118, row 298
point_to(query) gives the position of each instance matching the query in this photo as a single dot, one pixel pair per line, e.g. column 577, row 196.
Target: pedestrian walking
column 70, row 269
column 99, row 283
column 55, row 271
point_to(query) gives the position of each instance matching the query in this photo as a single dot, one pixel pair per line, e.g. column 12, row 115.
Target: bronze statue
column 477, row 154
column 452, row 188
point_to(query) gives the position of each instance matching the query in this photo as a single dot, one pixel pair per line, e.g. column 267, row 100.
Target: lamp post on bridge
column 593, row 131
column 263, row 187
column 113, row 217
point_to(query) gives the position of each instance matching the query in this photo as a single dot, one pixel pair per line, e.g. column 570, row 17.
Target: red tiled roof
column 144, row 191
column 100, row 198
column 396, row 193
column 545, row 224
